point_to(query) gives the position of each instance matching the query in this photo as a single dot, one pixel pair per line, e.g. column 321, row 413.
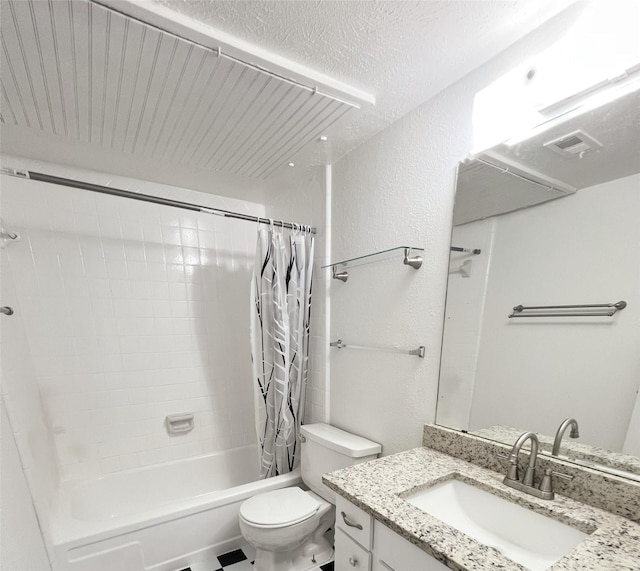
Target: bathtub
column 161, row 518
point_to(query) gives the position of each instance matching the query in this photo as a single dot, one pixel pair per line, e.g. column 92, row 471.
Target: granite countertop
column 571, row 449
column 377, row 487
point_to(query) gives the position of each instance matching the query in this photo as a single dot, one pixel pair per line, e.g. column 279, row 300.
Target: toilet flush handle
column 353, row 562
column 349, row 522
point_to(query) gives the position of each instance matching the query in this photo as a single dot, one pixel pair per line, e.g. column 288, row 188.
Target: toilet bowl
column 287, row 527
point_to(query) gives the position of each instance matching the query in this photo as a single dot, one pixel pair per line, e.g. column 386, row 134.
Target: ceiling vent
column 573, row 145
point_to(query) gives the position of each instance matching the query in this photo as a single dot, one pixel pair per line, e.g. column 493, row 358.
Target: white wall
column 632, row 441
column 132, row 311
column 21, row 545
column 24, row 422
column 397, row 189
column 583, row 248
column 463, row 322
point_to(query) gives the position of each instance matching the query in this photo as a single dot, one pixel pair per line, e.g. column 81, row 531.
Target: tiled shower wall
column 133, row 311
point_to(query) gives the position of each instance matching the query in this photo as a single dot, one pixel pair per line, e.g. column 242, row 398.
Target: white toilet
column 287, row 526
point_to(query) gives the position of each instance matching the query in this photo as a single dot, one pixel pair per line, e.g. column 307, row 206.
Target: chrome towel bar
column 419, row 352
column 474, row 251
column 602, row 310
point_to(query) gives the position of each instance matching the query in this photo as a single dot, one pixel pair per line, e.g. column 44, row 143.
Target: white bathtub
column 160, row 518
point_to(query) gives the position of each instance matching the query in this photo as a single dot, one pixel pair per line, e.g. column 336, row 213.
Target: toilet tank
column 326, row 448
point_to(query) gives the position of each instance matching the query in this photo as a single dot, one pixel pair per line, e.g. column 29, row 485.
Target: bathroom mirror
column 552, row 219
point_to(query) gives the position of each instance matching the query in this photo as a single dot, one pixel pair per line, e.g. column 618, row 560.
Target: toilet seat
column 278, row 508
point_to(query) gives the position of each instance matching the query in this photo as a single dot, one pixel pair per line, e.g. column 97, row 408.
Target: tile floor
column 238, row 560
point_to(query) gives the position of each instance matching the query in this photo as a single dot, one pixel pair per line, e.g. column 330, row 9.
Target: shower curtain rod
column 148, row 198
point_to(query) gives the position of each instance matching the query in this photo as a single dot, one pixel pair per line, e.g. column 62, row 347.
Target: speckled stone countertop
column 568, row 449
column 379, row 486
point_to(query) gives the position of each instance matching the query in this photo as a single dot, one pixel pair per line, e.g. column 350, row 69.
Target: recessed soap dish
column 179, row 423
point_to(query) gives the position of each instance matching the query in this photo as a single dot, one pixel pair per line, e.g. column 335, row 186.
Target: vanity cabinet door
column 355, row 522
column 391, row 552
column 350, row 555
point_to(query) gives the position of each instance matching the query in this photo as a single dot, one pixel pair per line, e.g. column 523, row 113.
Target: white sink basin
column 524, row 536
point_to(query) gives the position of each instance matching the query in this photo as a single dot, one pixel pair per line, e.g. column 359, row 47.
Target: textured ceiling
column 615, row 125
column 381, row 47
column 400, row 53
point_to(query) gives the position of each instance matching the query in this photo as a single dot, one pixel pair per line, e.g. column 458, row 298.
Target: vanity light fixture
column 582, row 103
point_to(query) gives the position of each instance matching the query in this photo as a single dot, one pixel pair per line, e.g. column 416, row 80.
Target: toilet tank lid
column 340, row 441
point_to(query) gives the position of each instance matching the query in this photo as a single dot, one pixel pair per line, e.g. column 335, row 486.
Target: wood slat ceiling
column 77, row 69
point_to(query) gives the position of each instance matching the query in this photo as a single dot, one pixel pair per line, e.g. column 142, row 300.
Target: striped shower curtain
column 281, row 306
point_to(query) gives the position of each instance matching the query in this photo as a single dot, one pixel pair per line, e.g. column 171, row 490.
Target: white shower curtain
column 281, row 305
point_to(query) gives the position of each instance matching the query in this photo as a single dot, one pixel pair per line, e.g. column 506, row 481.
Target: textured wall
column 397, row 189
column 132, row 311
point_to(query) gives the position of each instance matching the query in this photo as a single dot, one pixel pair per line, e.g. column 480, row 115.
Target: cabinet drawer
column 350, row 555
column 394, row 553
column 354, row 522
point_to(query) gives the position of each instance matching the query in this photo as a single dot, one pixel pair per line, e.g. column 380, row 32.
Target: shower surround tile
column 128, row 319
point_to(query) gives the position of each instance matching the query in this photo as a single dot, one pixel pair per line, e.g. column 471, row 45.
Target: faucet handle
column 512, row 471
column 546, row 484
column 562, row 475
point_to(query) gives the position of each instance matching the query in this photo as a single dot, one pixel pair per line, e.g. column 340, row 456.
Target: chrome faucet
column 575, row 433
column 512, row 474
column 527, row 484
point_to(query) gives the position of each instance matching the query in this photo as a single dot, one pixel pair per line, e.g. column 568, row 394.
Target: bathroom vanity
column 380, row 526
column 358, row 549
